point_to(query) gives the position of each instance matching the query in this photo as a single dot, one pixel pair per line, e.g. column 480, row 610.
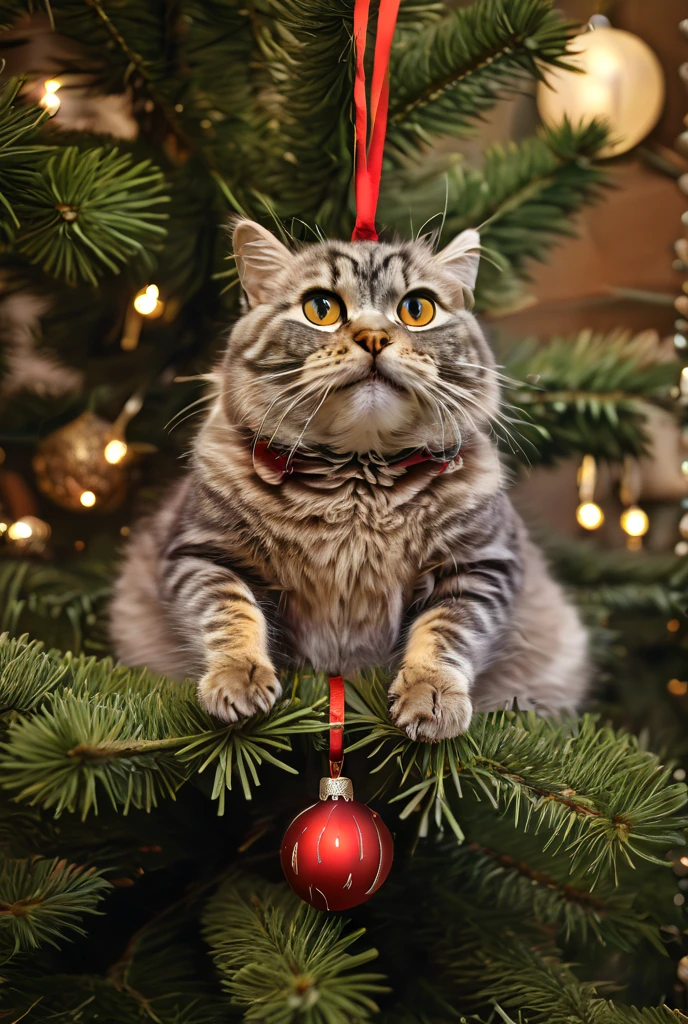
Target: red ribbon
column 369, row 157
column 336, row 725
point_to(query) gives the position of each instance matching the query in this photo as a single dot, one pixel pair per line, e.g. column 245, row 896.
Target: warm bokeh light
column 49, row 100
column 634, row 521
column 21, row 530
column 87, row 499
column 115, row 451
column 678, row 688
column 589, row 515
column 673, row 625
column 147, row 301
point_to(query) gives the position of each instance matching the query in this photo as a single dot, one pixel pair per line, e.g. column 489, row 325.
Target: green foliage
column 284, row 961
column 604, row 582
column 88, row 213
column 600, row 797
column 590, row 394
column 460, row 66
column 522, row 199
column 41, row 901
column 18, row 151
column 61, row 605
column 127, row 735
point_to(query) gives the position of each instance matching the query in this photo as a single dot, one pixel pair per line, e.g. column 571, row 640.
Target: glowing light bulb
column 147, row 301
column 3, row 527
column 21, row 530
column 115, row 451
column 634, row 521
column 87, row 499
column 49, row 100
column 589, row 515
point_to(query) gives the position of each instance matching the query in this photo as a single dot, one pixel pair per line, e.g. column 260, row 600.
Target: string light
column 115, row 451
column 634, row 521
column 147, row 302
column 50, row 101
column 589, row 515
column 21, row 530
column 87, row 499
column 3, row 527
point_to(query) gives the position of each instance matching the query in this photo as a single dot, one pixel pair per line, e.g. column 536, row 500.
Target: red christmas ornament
column 337, row 853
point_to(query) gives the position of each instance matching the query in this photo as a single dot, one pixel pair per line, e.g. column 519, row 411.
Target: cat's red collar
column 273, row 464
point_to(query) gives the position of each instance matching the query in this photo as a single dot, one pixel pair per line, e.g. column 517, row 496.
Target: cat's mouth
column 374, row 377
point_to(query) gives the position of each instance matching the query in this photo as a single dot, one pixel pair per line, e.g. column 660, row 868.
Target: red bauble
column 337, row 853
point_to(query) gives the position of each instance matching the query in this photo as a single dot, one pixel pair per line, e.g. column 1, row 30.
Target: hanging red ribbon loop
column 336, row 725
column 369, row 156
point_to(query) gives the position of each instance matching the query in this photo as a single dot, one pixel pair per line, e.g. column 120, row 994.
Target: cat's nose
column 373, row 339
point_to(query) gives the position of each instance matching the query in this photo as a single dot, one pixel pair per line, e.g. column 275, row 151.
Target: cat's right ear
column 259, row 258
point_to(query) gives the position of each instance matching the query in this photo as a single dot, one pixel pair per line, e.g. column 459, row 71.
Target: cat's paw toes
column 430, row 704
column 235, row 688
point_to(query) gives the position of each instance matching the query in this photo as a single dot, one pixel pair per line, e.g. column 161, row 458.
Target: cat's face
column 360, row 346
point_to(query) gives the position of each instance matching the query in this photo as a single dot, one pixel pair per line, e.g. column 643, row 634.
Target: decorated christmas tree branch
column 590, row 394
column 98, row 731
column 596, row 794
column 42, row 901
column 284, row 961
column 460, row 66
column 19, row 152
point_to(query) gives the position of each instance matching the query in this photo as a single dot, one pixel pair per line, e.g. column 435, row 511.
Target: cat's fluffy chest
column 349, row 580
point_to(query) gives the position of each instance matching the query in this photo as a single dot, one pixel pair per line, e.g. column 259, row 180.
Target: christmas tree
column 538, row 863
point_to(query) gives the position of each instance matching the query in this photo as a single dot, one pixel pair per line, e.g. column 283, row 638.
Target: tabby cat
column 345, row 505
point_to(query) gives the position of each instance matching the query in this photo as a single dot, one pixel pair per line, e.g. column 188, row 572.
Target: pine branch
column 43, row 901
column 535, row 986
column 62, row 606
column 91, row 212
column 620, row 581
column 284, row 961
column 598, row 796
column 524, row 198
column 459, row 67
column 98, row 731
column 19, row 153
column 591, row 395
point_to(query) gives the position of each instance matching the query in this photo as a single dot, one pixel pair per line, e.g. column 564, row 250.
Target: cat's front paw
column 238, row 687
column 430, row 703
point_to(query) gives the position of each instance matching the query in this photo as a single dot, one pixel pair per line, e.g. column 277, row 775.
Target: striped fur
column 351, row 561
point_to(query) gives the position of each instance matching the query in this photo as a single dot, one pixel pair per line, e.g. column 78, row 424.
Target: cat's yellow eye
column 323, row 309
column 417, row 311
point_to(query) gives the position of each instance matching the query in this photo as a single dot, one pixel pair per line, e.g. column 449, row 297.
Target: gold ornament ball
column 623, row 84
column 72, row 470
column 589, row 515
column 683, row 526
column 634, row 521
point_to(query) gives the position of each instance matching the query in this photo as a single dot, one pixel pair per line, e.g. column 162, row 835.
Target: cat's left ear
column 461, row 258
column 260, row 257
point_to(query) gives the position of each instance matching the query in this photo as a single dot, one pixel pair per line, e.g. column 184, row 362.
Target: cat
column 346, row 505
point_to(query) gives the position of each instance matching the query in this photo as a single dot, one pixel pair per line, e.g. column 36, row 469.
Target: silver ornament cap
column 333, row 789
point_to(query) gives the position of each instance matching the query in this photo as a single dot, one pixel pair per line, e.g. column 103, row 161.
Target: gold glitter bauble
column 71, row 468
